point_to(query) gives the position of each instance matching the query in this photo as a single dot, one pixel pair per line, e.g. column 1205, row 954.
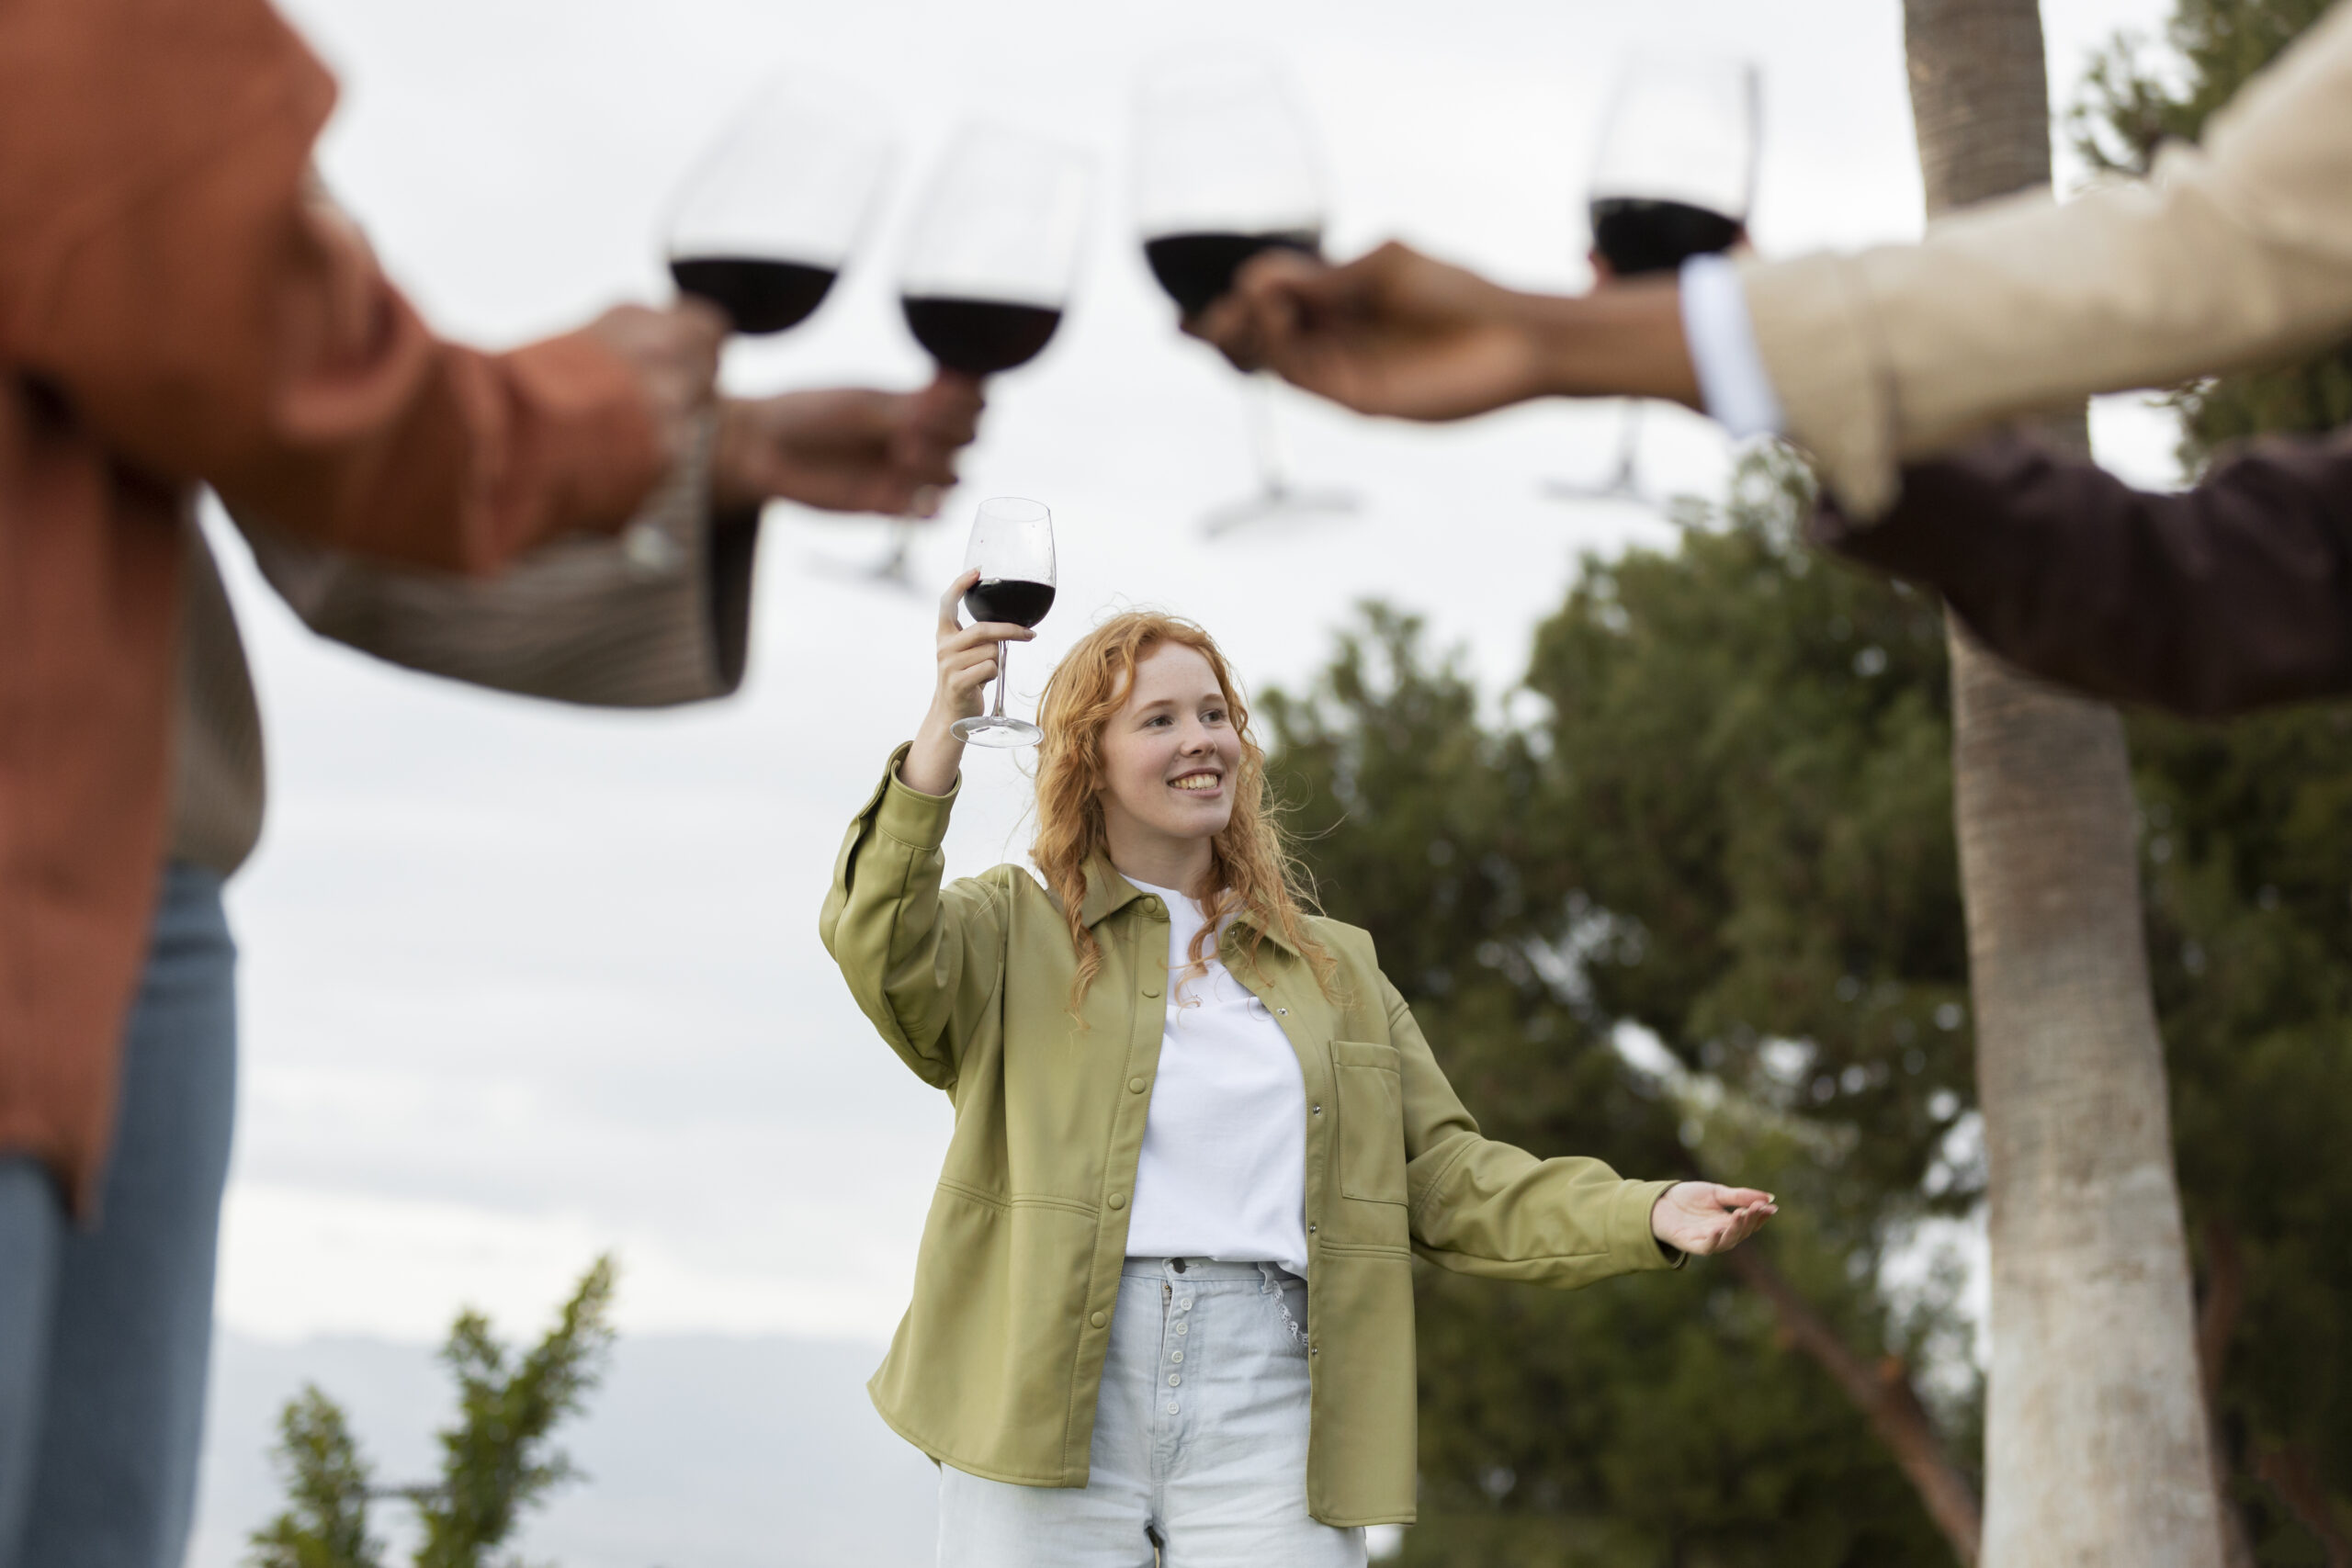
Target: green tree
column 325, row 1522
column 497, row 1462
column 2248, row 841
column 1727, row 835
column 1717, row 822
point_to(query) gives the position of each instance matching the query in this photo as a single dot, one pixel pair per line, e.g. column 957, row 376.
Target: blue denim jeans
column 105, row 1333
column 1200, row 1440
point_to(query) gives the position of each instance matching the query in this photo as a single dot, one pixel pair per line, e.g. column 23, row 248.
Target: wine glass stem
column 1629, row 442
column 1263, row 438
column 1003, row 676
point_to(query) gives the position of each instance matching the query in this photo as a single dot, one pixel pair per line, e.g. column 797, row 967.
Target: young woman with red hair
column 1164, row 1300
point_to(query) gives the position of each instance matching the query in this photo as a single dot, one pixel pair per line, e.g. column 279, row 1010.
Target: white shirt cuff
column 1732, row 379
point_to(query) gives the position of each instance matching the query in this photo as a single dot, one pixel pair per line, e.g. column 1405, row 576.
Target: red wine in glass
column 1198, row 269
column 979, row 337
column 1010, row 600
column 1638, row 235
column 1011, row 554
column 759, row 295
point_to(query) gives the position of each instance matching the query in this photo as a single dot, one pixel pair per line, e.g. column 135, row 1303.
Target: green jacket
column 995, row 1366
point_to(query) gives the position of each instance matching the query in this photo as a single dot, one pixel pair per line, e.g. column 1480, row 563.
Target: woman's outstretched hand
column 966, row 664
column 1701, row 1217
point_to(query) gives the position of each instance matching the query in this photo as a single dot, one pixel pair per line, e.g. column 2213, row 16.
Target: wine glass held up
column 771, row 215
column 990, row 260
column 1011, row 552
column 1225, row 170
column 1675, row 178
column 994, row 250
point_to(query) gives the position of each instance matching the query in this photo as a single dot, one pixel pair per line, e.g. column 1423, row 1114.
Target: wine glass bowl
column 994, row 249
column 1678, row 147
column 1224, row 169
column 1012, row 547
column 767, row 219
column 1673, row 178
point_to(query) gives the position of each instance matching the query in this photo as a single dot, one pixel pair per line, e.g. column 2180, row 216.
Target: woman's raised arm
column 922, row 960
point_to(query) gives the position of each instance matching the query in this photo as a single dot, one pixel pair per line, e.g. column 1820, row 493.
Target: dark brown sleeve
column 2230, row 596
column 170, row 279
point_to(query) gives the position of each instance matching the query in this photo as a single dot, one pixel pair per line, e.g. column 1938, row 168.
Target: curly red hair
column 1252, row 867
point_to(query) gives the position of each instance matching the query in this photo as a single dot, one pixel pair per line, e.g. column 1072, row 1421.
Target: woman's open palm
column 1702, row 1217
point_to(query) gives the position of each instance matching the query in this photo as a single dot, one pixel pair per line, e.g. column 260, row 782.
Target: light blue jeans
column 104, row 1333
column 1200, row 1440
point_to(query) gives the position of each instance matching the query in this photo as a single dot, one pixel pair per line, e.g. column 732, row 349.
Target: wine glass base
column 1268, row 505
column 1625, row 487
column 995, row 731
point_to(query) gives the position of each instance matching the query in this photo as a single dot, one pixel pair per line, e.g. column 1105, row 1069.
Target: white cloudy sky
column 523, row 983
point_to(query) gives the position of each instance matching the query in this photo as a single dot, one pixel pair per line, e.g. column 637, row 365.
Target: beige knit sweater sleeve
column 2231, row 254
column 656, row 615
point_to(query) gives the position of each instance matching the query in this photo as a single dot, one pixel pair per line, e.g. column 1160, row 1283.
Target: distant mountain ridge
column 701, row 1451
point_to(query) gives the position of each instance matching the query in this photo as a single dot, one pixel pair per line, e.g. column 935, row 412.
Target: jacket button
column 1099, row 1319
column 1318, row 1111
column 1135, row 1086
column 1154, row 907
column 1118, row 1200
column 1310, row 1230
column 1152, row 991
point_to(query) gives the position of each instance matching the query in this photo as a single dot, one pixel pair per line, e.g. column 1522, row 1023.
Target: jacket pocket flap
column 1365, row 1054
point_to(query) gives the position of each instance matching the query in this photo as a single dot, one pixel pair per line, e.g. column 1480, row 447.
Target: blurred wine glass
column 770, row 216
column 1674, row 177
column 1225, row 169
column 992, row 259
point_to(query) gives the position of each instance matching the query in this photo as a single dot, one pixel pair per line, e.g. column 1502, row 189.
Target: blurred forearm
column 2229, row 596
column 653, row 617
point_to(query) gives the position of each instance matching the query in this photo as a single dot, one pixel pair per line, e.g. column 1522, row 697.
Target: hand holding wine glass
column 1226, row 171
column 1674, row 180
column 675, row 355
column 1007, row 584
column 991, row 261
column 845, row 448
column 1392, row 333
column 1011, row 550
column 968, row 657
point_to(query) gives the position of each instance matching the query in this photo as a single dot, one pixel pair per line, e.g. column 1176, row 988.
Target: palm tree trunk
column 2096, row 1438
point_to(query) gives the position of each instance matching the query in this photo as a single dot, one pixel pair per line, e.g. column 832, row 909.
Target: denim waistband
column 1201, row 1270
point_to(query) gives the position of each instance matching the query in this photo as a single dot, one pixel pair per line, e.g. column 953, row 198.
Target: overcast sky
column 523, row 983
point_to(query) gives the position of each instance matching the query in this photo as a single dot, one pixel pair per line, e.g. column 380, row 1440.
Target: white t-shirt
column 1223, row 1173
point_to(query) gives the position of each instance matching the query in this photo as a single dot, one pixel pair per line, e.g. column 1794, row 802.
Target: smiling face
column 1171, row 758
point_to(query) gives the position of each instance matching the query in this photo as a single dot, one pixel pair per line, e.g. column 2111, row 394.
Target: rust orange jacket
column 176, row 309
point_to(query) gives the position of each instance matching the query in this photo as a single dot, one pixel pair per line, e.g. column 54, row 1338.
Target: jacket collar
column 1107, row 893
